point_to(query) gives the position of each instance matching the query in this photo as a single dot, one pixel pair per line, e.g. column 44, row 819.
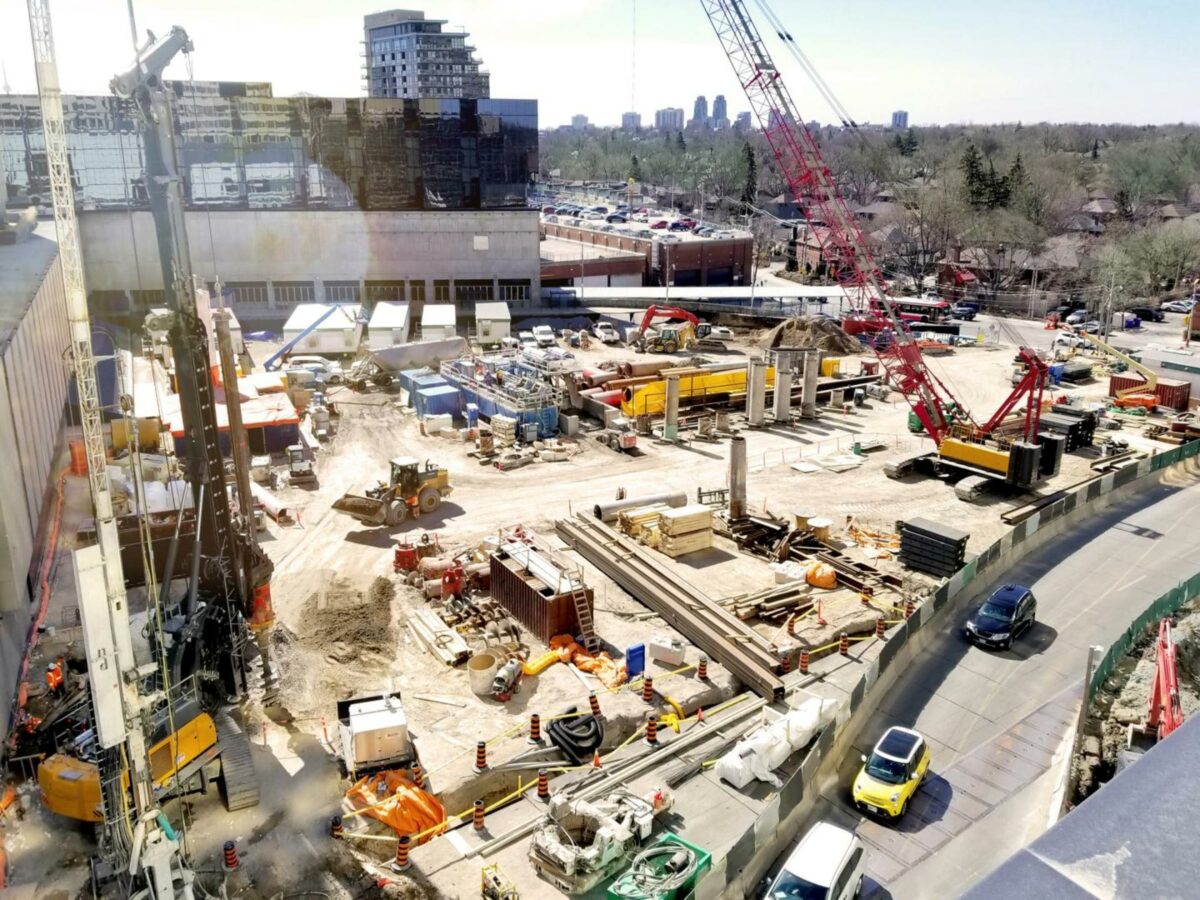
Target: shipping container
column 534, row 604
column 1170, row 393
column 437, row 400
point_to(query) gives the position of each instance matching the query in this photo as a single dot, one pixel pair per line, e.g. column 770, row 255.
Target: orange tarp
column 406, row 809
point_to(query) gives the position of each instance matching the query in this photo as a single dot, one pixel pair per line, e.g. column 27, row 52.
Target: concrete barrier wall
column 737, row 873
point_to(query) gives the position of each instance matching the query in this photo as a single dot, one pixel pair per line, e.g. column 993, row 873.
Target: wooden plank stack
column 685, row 530
column 504, row 430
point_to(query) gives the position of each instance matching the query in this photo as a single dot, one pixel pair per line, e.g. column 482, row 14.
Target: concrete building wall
column 303, row 246
column 33, row 393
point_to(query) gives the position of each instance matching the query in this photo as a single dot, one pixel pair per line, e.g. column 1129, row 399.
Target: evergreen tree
column 750, row 190
column 680, row 142
column 975, row 185
column 1096, row 149
column 1016, row 179
column 635, row 168
column 910, row 143
column 996, row 190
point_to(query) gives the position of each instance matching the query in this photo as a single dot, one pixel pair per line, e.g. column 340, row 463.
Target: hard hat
column 50, row 667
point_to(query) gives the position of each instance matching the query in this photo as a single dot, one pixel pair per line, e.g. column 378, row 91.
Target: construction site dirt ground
column 1124, row 697
column 338, row 637
column 327, row 548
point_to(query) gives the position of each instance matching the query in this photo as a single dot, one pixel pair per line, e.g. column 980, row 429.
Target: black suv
column 1010, row 610
column 1147, row 313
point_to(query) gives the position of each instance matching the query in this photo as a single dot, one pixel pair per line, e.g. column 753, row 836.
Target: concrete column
column 756, row 391
column 783, row 386
column 671, row 421
column 808, row 395
column 271, row 295
column 495, row 289
column 737, row 477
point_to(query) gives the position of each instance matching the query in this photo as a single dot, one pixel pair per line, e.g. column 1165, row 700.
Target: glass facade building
column 408, row 55
column 242, row 148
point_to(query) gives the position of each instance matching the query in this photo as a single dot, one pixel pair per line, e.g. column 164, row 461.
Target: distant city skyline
column 1068, row 61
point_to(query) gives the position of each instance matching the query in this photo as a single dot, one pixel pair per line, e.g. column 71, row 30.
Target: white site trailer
column 438, row 322
column 493, row 322
column 388, row 326
column 337, row 335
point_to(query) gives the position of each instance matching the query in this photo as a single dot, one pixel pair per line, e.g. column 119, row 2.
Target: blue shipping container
column 406, row 377
column 423, row 381
column 438, row 400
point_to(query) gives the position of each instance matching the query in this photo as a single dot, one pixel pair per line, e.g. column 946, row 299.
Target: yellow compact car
column 892, row 773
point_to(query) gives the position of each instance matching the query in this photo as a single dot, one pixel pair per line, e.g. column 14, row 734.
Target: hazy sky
column 966, row 61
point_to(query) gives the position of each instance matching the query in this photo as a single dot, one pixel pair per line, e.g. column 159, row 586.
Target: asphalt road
column 995, row 720
column 1031, row 333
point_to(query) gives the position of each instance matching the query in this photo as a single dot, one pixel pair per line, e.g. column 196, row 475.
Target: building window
column 342, row 292
column 391, row 291
column 416, row 291
column 441, row 291
column 247, row 293
column 472, row 291
column 289, row 293
column 515, row 289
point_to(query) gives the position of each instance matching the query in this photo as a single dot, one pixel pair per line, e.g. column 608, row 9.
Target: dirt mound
column 340, row 615
column 811, row 333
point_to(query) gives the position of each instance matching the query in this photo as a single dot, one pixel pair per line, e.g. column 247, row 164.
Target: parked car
column 705, row 231
column 678, row 226
column 963, row 311
column 643, row 233
column 660, row 223
column 544, row 335
column 1078, row 317
column 329, row 370
column 590, row 216
column 527, row 340
column 1178, row 306
column 547, row 210
column 688, row 222
column 1067, row 339
column 606, row 333
column 1147, row 313
column 1004, row 616
column 616, row 219
column 827, row 864
column 892, row 773
column 1090, row 327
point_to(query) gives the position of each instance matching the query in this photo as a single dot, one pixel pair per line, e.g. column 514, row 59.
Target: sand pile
column 811, row 333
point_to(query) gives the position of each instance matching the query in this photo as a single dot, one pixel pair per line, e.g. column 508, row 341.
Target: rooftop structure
column 409, row 56
column 241, row 148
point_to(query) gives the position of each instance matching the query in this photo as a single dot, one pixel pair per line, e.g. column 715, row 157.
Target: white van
column 544, row 335
column 827, row 864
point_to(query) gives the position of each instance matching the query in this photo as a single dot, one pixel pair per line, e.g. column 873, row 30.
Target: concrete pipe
column 737, row 477
column 608, row 512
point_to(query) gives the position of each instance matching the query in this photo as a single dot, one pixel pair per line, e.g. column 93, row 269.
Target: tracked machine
column 1004, row 449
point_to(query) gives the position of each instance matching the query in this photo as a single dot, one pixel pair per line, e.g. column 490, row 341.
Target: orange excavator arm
column 666, row 312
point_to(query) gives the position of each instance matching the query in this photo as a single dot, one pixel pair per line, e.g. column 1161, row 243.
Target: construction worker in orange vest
column 54, row 677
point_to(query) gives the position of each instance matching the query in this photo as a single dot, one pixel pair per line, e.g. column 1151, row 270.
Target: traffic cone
column 699, row 715
column 596, row 759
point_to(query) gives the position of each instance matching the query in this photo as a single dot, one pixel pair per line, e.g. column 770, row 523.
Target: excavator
column 409, row 491
column 671, row 337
